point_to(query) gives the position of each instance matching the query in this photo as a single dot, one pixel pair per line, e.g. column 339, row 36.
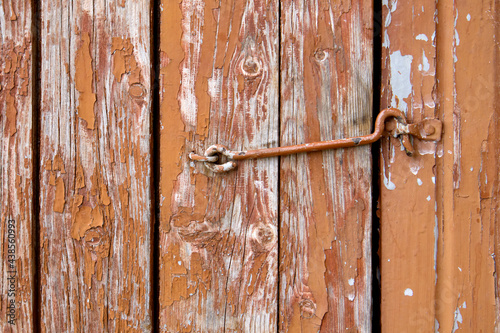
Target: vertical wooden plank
column 439, row 237
column 218, row 233
column 325, row 208
column 95, row 172
column 16, row 160
column 468, row 171
column 408, row 199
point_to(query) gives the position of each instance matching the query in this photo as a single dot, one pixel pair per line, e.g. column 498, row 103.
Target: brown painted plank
column 468, row 170
column 325, row 208
column 16, row 160
column 95, row 172
column 218, row 233
column 440, row 209
column 407, row 184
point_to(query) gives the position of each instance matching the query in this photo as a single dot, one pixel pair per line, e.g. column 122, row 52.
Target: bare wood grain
column 95, row 176
column 16, row 160
column 408, row 198
column 219, row 84
column 325, row 208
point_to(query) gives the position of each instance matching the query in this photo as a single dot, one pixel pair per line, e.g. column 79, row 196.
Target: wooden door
column 107, row 225
column 439, row 210
column 279, row 244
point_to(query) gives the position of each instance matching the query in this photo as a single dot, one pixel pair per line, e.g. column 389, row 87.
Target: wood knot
column 320, row 55
column 307, row 308
column 96, row 241
column 263, row 237
column 136, row 90
column 251, row 66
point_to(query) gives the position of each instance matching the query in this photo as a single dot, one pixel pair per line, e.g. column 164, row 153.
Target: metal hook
column 427, row 129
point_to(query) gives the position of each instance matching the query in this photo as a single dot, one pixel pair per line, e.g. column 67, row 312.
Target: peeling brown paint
column 124, row 61
column 105, row 149
column 84, row 82
column 172, row 134
column 223, row 229
column 11, row 115
column 59, row 200
column 325, row 253
column 434, row 259
column 58, row 164
column 105, row 199
column 16, row 160
column 80, row 177
column 82, row 222
column 15, row 80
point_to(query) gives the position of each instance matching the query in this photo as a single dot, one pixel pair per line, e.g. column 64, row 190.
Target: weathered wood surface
column 218, row 234
column 325, row 207
column 95, row 166
column 408, row 200
column 468, row 169
column 16, row 161
column 439, row 211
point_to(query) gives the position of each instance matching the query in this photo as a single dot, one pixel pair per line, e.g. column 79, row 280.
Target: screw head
column 429, row 129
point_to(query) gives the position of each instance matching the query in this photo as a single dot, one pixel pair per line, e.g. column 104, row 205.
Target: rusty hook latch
column 427, row 129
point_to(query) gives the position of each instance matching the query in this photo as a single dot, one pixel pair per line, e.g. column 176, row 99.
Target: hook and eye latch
column 427, row 129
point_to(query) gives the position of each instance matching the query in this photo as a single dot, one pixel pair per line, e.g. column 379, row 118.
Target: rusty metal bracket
column 427, row 129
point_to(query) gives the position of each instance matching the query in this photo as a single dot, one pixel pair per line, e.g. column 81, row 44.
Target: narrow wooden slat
column 408, row 199
column 219, row 84
column 325, row 208
column 468, row 169
column 16, row 173
column 95, row 172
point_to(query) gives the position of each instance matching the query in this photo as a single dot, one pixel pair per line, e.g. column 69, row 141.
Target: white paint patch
column 388, row 20
column 459, row 269
column 419, row 182
column 425, row 63
column 351, row 297
column 471, row 169
column 400, row 79
column 457, row 38
column 386, row 43
column 440, row 151
column 433, row 179
column 464, row 306
column 414, row 168
column 351, row 282
column 388, row 184
column 408, row 292
column 394, row 6
column 422, row 37
column 425, row 147
column 468, row 17
column 458, row 319
column 428, row 198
